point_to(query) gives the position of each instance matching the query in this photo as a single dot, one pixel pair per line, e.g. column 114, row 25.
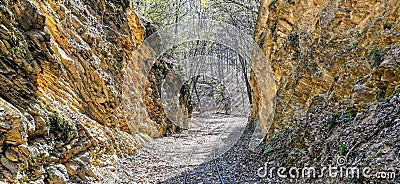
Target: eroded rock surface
column 62, row 83
column 336, row 67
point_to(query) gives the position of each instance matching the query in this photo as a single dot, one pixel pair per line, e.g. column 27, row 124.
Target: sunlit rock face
column 63, row 79
column 155, row 99
column 336, row 66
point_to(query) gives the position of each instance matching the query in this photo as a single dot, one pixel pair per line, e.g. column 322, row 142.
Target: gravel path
column 213, row 150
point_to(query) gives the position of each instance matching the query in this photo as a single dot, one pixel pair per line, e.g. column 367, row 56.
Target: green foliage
column 274, row 137
column 116, row 9
column 268, row 152
column 32, row 160
column 17, row 50
column 367, row 160
column 293, row 160
column 273, row 27
column 342, row 149
column 62, row 131
column 16, row 44
column 387, row 26
column 332, row 122
column 380, row 94
column 272, row 5
column 352, row 112
column 376, row 57
column 159, row 13
column 349, row 116
column 156, row 14
column 357, row 34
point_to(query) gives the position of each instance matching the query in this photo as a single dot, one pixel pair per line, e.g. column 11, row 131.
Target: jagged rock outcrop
column 336, row 67
column 62, row 84
column 155, row 105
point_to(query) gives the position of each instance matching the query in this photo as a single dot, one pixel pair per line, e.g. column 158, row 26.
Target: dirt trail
column 208, row 137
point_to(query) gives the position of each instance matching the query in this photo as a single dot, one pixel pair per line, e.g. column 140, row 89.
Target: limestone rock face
column 336, row 67
column 62, row 77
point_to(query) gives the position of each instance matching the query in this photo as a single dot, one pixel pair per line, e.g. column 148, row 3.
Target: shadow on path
column 238, row 165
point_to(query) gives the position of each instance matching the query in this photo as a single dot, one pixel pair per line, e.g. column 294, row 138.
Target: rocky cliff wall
column 63, row 81
column 336, row 68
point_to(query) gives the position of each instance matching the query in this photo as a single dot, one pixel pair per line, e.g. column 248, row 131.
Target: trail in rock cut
column 212, row 150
